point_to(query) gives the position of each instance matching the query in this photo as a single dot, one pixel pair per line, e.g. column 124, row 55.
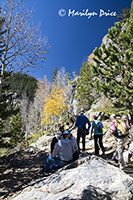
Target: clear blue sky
column 72, row 39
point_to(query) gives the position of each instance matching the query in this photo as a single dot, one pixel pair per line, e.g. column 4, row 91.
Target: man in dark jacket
column 83, row 125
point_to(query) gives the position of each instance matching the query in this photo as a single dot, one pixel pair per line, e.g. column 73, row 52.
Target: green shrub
column 34, row 137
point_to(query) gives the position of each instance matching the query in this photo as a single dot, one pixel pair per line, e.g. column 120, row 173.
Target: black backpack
column 99, row 127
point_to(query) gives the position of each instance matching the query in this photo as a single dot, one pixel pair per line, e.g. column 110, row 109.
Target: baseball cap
column 66, row 132
column 113, row 116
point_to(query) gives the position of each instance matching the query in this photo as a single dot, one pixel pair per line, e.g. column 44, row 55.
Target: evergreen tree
column 85, row 91
column 113, row 68
column 124, row 15
column 16, row 131
column 5, row 93
column 23, row 84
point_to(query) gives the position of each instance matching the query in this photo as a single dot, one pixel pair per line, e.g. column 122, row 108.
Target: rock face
column 93, row 178
column 43, row 143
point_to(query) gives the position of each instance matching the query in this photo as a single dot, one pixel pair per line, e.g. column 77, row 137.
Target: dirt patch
column 18, row 170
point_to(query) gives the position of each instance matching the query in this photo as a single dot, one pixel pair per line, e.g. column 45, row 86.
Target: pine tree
column 16, row 130
column 5, row 93
column 85, row 91
column 113, row 68
column 124, row 15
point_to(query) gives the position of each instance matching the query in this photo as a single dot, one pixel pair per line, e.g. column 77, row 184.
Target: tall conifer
column 113, row 66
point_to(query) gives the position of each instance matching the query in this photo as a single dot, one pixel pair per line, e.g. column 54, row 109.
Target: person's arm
column 129, row 120
column 89, row 124
column 91, row 132
column 75, row 125
column 127, row 125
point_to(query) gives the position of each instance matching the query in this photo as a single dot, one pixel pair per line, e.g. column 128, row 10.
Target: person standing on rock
column 62, row 154
column 120, row 140
column 97, row 127
column 82, row 122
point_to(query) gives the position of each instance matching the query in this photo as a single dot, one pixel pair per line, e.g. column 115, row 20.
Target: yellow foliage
column 54, row 105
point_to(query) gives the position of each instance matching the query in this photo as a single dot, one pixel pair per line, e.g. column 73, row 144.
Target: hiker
column 120, row 130
column 62, row 154
column 74, row 145
column 97, row 127
column 83, row 124
column 67, row 126
column 57, row 137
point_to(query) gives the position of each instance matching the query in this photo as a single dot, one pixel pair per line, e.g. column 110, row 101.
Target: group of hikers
column 65, row 148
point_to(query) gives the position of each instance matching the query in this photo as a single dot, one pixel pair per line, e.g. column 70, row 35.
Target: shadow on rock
column 92, row 193
column 19, row 169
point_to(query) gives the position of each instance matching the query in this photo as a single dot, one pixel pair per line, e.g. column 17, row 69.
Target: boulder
column 89, row 178
column 43, row 143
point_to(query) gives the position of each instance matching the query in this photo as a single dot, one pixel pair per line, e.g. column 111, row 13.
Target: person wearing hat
column 120, row 141
column 62, row 154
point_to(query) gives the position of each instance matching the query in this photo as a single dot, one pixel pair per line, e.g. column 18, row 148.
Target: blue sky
column 72, row 39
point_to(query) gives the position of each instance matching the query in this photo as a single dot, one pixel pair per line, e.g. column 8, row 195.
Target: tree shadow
column 93, row 193
column 18, row 170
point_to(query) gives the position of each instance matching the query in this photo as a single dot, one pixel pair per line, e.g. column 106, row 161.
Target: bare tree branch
column 25, row 48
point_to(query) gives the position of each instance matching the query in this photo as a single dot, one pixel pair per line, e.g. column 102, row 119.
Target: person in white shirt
column 74, row 145
column 62, row 154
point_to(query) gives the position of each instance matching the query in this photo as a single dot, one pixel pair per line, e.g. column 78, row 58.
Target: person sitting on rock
column 97, row 126
column 74, row 144
column 62, row 154
column 57, row 137
column 67, row 126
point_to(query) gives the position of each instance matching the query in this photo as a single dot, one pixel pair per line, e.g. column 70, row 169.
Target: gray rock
column 90, row 178
column 43, row 143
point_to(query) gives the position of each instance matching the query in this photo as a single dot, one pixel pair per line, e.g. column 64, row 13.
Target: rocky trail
column 23, row 168
column 18, row 170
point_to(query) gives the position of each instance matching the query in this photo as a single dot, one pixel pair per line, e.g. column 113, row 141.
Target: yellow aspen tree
column 54, row 106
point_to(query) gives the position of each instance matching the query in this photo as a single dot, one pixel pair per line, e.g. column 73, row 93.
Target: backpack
column 121, row 129
column 99, row 127
column 84, row 130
